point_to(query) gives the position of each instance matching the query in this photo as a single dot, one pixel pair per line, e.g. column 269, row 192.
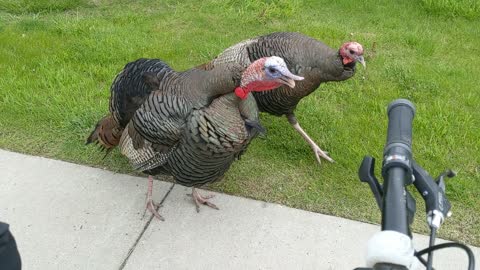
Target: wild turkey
column 188, row 127
column 304, row 56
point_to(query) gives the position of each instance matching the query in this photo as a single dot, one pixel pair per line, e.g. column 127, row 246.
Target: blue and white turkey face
column 275, row 67
column 276, row 70
column 266, row 73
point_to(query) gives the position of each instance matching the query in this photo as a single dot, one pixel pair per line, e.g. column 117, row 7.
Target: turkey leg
column 199, row 199
column 316, row 150
column 150, row 204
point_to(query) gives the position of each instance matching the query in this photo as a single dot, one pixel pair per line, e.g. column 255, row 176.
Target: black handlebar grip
column 400, row 115
column 397, row 166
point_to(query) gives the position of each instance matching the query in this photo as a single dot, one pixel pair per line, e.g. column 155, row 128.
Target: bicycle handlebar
column 400, row 116
column 392, row 248
column 397, row 167
column 398, row 149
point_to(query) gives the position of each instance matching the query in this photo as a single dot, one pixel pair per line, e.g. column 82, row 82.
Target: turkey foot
column 316, row 150
column 150, row 206
column 199, row 199
column 320, row 153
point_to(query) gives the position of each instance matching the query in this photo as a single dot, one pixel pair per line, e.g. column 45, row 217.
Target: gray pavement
column 67, row 216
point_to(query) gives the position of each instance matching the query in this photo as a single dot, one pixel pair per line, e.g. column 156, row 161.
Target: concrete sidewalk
column 67, row 216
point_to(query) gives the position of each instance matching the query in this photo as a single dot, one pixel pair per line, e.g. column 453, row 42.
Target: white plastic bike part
column 435, row 218
column 391, row 247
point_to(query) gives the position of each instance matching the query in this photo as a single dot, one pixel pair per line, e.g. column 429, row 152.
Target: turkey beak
column 361, row 60
column 289, row 78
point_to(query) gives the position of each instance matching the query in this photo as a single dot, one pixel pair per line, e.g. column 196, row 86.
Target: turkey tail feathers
column 93, row 137
column 106, row 133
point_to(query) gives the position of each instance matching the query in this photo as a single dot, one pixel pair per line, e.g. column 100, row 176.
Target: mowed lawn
column 58, row 59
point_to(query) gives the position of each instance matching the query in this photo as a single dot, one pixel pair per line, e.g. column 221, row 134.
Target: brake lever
column 437, row 205
column 366, row 174
column 440, row 179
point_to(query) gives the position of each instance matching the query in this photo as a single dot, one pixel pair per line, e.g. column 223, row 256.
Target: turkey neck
column 230, row 99
column 304, row 56
column 208, row 85
column 333, row 68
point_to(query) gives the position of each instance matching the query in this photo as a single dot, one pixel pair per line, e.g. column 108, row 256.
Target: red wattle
column 347, row 60
column 258, row 86
column 264, row 86
column 241, row 93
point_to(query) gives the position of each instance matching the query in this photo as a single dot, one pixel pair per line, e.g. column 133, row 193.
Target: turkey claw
column 151, row 208
column 199, row 199
column 319, row 153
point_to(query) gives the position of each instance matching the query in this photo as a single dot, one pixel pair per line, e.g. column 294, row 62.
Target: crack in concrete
column 130, row 251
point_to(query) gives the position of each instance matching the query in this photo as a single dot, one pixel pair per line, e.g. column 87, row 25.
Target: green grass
column 58, row 59
column 40, row 6
column 453, row 8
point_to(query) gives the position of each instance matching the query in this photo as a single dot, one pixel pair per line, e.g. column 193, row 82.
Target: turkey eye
column 352, row 52
column 272, row 70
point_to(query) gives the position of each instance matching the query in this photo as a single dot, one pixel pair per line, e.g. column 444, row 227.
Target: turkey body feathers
column 129, row 89
column 303, row 55
column 212, row 140
column 187, row 127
